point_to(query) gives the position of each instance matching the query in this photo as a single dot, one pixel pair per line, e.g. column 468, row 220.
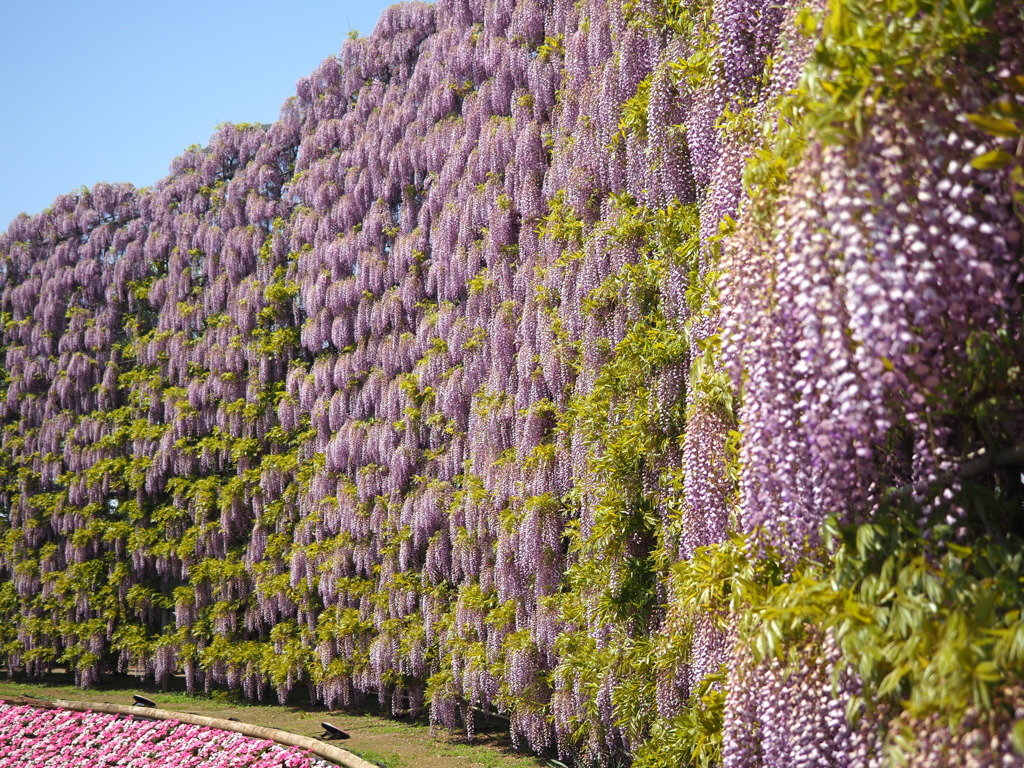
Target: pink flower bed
column 56, row 738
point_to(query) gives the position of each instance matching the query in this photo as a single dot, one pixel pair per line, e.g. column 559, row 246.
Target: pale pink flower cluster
column 31, row 737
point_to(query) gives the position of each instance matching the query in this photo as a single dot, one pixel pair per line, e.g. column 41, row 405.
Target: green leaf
column 857, row 611
column 1010, row 110
column 960, row 551
column 891, row 682
column 995, row 127
column 853, row 708
column 992, row 161
column 807, row 23
column 1017, row 736
column 988, row 672
column 1015, row 84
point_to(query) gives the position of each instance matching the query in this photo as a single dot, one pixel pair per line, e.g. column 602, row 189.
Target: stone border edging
column 327, row 751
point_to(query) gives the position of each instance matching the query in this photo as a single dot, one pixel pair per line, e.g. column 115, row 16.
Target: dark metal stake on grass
column 333, row 731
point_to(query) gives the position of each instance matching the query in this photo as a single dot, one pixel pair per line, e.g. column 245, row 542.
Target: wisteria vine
column 528, row 363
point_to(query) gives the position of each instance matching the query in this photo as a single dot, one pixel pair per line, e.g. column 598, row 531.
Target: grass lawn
column 389, row 742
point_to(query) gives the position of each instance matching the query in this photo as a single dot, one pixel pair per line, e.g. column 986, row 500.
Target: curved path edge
column 327, row 751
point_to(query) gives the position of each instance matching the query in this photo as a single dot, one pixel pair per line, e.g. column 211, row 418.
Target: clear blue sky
column 113, row 90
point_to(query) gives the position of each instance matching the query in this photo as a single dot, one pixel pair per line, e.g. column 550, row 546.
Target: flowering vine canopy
column 649, row 371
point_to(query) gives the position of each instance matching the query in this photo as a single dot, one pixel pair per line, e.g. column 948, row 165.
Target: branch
column 982, row 462
column 977, row 463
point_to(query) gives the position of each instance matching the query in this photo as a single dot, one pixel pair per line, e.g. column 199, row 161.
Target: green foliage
column 870, row 50
column 931, row 628
column 1004, row 119
column 634, row 113
column 561, row 221
column 693, row 738
column 613, row 585
column 553, row 45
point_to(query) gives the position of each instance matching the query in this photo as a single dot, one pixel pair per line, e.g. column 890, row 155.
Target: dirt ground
column 389, row 742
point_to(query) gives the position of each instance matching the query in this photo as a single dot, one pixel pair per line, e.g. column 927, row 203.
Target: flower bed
column 58, row 738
